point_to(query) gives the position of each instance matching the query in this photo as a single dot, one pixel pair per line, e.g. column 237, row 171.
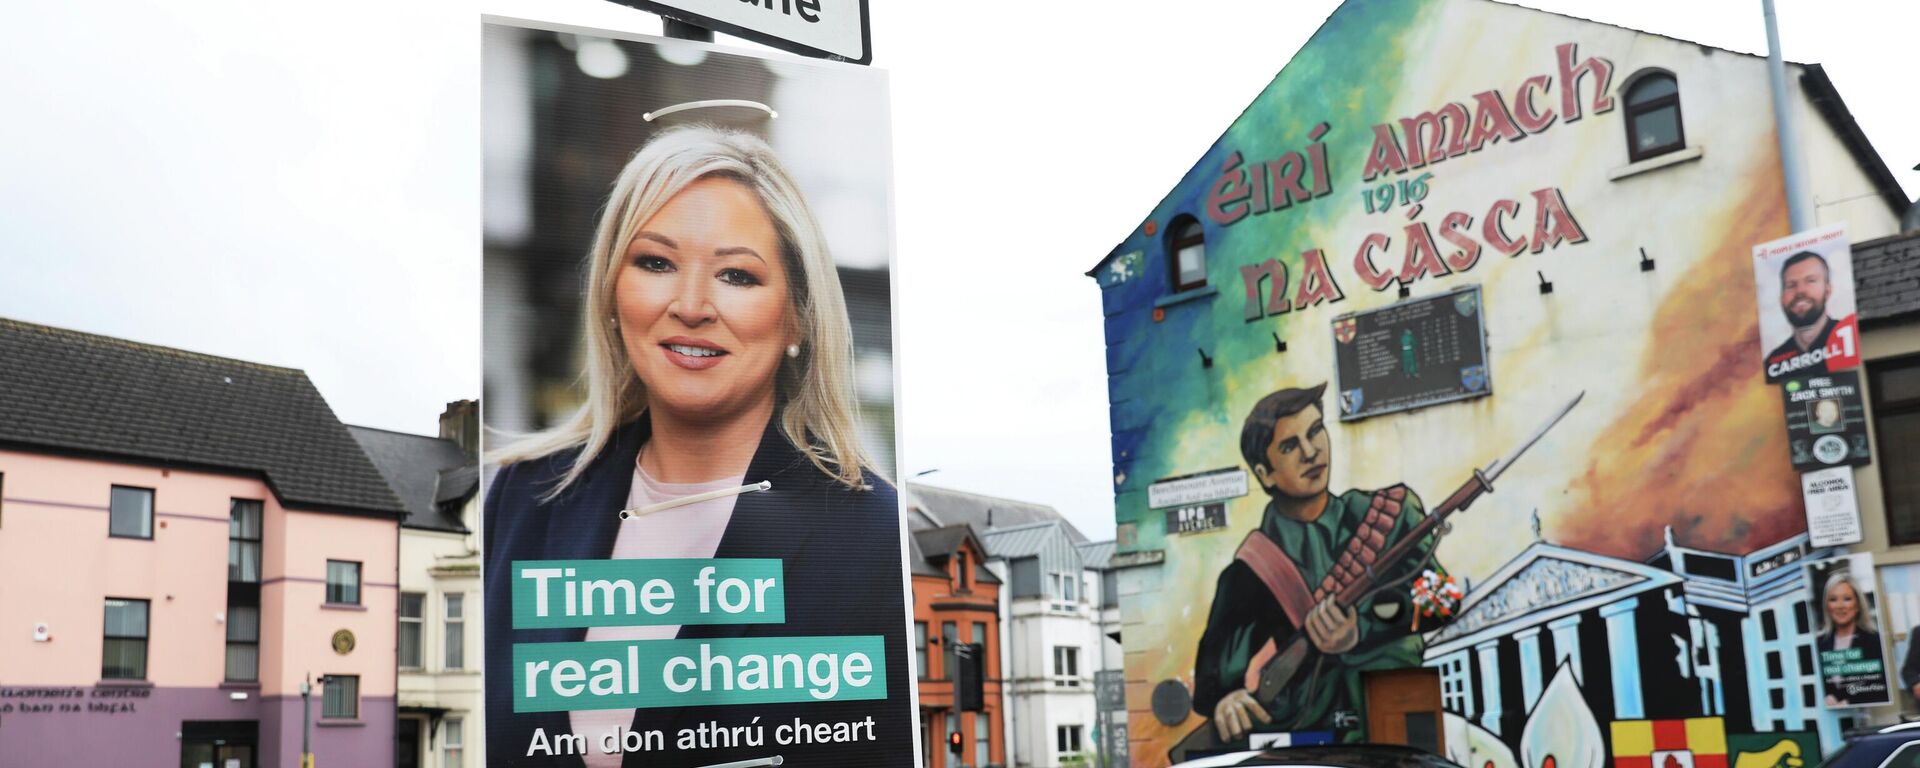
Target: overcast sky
column 297, row 184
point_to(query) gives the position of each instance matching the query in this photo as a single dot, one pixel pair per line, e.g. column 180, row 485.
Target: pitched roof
column 427, row 473
column 1025, row 540
column 82, row 393
column 1096, row 555
column 917, row 560
column 935, row 545
column 1886, row 274
column 985, row 513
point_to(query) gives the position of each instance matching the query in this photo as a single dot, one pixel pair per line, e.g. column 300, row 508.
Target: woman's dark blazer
column 842, row 576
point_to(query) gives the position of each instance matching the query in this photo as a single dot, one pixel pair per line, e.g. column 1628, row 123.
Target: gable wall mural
column 1425, row 241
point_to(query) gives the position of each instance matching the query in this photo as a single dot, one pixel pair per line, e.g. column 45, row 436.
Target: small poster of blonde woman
column 1853, row 668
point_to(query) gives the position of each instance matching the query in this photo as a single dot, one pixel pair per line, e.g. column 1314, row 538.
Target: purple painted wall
column 107, row 726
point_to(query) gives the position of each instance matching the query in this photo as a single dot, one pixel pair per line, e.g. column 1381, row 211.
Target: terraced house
column 188, row 543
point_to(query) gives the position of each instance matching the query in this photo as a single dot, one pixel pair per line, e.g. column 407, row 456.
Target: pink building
column 184, row 540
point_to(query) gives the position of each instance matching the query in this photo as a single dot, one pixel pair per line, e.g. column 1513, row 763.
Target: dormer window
column 1187, row 252
column 960, row 568
column 1653, row 116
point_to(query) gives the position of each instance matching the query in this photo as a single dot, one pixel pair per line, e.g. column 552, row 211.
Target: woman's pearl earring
column 793, row 350
column 613, row 322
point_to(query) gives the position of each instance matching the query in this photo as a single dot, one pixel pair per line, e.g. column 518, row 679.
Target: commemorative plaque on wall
column 1412, row 354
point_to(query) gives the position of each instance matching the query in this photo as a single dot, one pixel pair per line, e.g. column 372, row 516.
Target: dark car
column 1336, row 756
column 1895, row 746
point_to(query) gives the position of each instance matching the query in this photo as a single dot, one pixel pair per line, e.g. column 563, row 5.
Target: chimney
column 461, row 424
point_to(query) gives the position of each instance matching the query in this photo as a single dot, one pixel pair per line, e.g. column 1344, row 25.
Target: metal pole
column 306, row 723
column 1792, row 166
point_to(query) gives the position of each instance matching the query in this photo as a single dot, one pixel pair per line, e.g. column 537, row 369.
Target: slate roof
column 73, row 392
column 984, row 513
column 429, row 475
column 1886, row 275
column 917, row 560
column 937, row 544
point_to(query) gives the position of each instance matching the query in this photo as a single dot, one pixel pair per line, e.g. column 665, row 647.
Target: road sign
column 834, row 29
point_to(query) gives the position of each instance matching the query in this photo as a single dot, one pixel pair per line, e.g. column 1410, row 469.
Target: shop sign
column 1198, row 518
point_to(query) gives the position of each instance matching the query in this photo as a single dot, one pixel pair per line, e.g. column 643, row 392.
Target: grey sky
column 298, row 184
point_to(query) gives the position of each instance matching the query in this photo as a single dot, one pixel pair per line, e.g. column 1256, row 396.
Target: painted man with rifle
column 1309, row 547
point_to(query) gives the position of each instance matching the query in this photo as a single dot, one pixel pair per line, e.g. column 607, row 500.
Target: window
column 982, row 739
column 980, row 639
column 243, row 643
column 1769, row 627
column 124, row 650
column 1653, row 116
column 920, row 649
column 243, row 541
column 1066, row 661
column 1895, row 387
column 453, row 741
column 949, row 650
column 1067, row 739
column 456, row 632
column 960, row 569
column 1064, row 586
column 340, row 697
column 343, row 582
column 132, row 513
column 1186, row 244
column 412, row 624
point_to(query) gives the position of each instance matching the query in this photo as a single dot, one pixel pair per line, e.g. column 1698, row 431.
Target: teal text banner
column 641, row 674
column 665, row 591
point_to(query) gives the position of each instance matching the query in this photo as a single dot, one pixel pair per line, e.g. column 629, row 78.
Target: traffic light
column 953, row 742
column 970, row 683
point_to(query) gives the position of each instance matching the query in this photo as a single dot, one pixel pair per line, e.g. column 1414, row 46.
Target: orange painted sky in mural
column 1704, row 450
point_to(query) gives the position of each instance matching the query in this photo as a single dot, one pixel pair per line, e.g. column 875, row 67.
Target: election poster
column 692, row 543
column 1805, row 292
column 1833, row 511
column 1848, row 645
column 1826, row 421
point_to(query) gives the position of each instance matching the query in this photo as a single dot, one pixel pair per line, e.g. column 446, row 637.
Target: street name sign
column 833, row 29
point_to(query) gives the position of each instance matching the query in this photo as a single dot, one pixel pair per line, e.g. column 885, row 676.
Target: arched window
column 1653, row 116
column 1187, row 249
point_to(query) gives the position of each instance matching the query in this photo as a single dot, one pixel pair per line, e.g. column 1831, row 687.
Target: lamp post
column 306, row 722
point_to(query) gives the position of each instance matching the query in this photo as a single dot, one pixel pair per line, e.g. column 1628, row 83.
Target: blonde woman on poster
column 719, row 358
column 1852, row 666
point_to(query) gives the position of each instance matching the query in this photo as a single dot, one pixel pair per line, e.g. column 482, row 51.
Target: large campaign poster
column 1805, row 292
column 692, row 539
column 1852, row 655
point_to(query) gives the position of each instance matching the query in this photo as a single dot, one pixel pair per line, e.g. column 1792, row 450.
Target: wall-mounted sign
column 1411, row 354
column 1197, row 518
column 826, row 28
column 343, row 642
column 1807, row 320
column 1214, row 485
column 1826, row 421
column 1833, row 511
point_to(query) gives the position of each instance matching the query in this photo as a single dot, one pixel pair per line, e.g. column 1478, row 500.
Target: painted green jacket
column 1245, row 615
